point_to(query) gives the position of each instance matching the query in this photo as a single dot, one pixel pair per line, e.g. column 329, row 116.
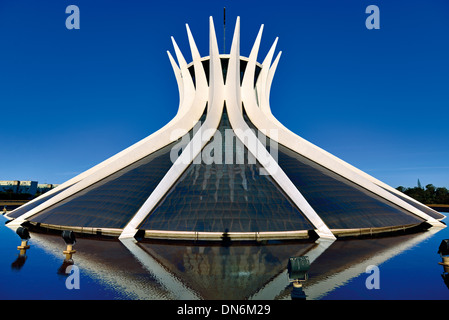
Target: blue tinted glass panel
column 28, row 206
column 419, row 206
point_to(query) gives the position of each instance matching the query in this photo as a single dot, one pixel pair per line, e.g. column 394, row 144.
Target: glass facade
column 340, row 203
column 112, row 202
column 221, row 197
column 224, row 196
column 27, row 207
column 420, row 206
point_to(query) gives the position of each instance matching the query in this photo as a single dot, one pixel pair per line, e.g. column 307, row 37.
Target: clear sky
column 378, row 99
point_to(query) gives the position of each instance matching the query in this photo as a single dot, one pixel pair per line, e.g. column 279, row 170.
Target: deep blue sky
column 378, row 99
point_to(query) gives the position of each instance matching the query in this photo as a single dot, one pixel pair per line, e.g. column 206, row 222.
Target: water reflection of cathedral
column 144, row 270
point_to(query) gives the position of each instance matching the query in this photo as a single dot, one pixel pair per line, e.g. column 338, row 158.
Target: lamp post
column 24, row 234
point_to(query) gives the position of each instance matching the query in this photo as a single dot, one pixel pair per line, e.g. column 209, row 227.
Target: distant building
column 44, row 187
column 9, row 186
column 16, row 186
column 28, row 187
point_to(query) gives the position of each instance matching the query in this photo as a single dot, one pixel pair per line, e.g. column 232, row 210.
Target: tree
column 441, row 196
column 429, row 195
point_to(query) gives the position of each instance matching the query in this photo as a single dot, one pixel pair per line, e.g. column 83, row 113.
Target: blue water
column 38, row 278
column 411, row 275
column 109, row 270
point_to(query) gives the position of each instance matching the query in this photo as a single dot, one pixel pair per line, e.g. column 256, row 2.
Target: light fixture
column 298, row 268
column 24, row 234
column 70, row 240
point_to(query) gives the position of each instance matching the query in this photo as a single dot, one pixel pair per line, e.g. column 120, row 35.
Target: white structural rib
column 190, row 110
column 261, row 116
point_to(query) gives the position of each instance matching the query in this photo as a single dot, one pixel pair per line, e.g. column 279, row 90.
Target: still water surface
column 407, row 269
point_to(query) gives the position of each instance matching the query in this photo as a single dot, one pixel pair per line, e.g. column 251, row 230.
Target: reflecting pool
column 394, row 267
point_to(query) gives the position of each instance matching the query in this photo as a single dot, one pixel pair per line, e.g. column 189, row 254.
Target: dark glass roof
column 29, row 206
column 226, row 197
column 419, row 206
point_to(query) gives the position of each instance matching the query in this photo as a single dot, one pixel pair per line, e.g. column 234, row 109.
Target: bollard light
column 24, row 234
column 298, row 268
column 70, row 240
column 69, row 237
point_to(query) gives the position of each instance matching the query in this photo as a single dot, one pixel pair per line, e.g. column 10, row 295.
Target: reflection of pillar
column 163, row 277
